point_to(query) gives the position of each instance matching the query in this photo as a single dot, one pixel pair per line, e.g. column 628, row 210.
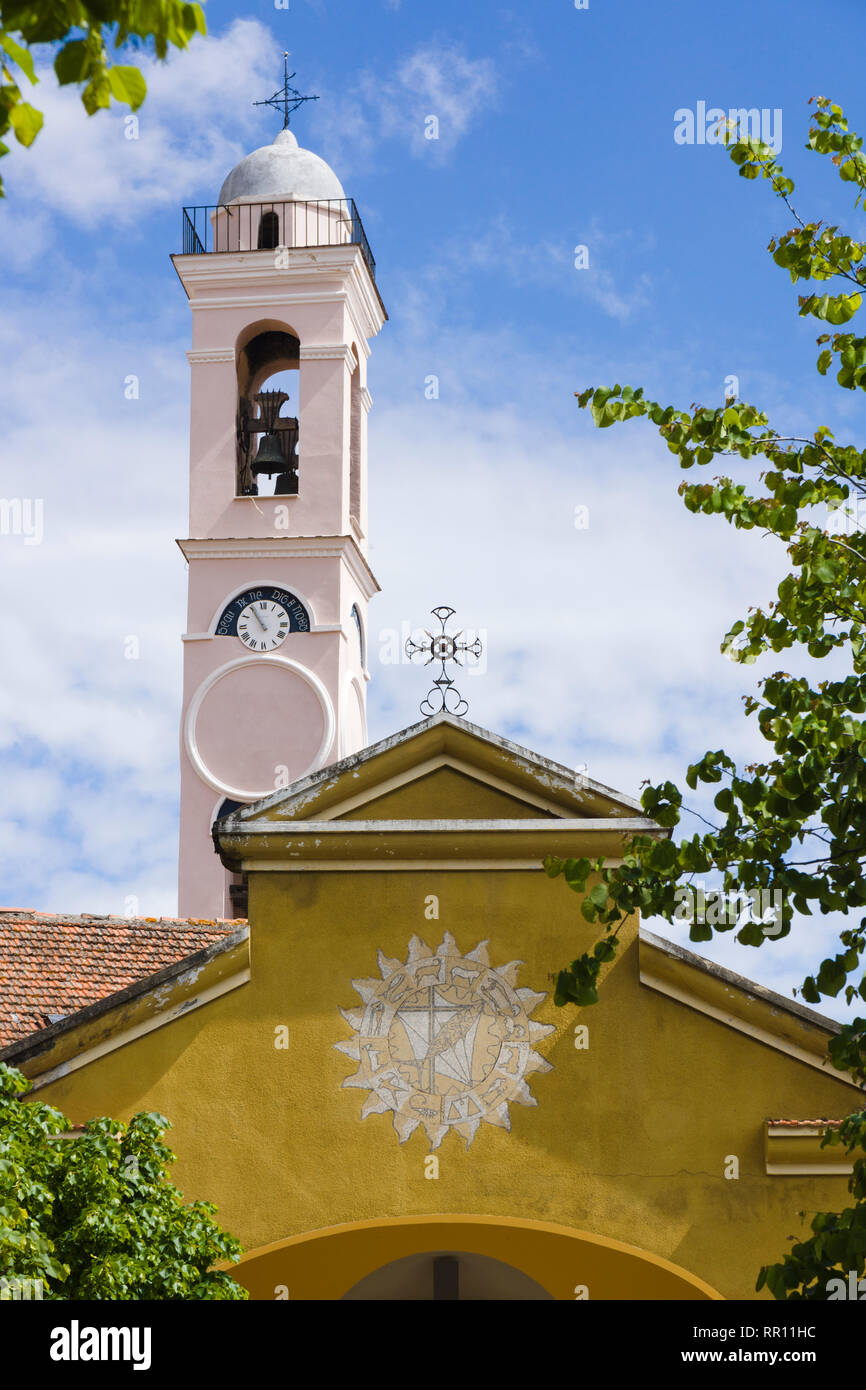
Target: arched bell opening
column 267, row 419
column 359, row 627
column 269, row 231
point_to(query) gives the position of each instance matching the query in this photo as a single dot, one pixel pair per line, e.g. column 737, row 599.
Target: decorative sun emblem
column 444, row 1041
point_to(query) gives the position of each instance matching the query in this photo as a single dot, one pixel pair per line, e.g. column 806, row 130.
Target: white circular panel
column 252, row 716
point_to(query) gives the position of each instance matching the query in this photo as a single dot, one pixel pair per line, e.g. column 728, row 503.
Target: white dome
column 281, row 170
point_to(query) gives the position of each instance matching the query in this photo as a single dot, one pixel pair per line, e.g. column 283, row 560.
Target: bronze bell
column 287, row 484
column 269, row 458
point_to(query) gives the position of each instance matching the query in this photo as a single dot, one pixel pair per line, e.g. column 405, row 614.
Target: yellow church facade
column 371, row 1080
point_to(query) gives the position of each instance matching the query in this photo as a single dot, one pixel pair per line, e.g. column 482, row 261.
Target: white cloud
column 437, row 79
column 88, row 739
column 86, row 168
column 602, row 643
column 547, row 264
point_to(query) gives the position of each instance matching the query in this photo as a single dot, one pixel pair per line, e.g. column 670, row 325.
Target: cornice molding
column 110, row 1023
column 328, row 352
column 739, row 1003
column 343, row 866
column 196, row 355
column 266, row 843
column 581, row 798
column 244, row 272
column 283, row 547
column 433, row 764
column 794, row 1150
column 550, row 826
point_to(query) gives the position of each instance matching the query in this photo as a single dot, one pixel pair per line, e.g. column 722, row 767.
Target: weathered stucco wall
column 629, row 1140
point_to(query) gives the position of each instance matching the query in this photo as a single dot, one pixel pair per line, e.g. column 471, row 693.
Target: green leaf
column 663, row 855
column 576, row 873
column 19, row 55
column 605, row 951
column 97, row 93
column 127, row 85
column 598, row 895
column 810, row 992
column 26, row 122
column 794, row 820
column 72, row 62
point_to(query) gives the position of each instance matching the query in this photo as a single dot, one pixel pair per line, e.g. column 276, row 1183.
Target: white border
column 189, row 739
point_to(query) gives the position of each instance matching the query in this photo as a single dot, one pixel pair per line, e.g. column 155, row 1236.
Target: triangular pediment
column 441, row 769
column 449, row 793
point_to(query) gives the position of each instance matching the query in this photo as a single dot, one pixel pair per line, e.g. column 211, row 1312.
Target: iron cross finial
column 287, row 97
column 443, row 696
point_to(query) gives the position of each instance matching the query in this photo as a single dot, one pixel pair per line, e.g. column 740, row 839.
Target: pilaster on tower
column 281, row 284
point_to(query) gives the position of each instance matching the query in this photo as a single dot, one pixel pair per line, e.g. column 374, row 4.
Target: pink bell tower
column 281, row 284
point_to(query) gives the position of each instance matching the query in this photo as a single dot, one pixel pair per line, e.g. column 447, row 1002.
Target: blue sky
column 555, row 130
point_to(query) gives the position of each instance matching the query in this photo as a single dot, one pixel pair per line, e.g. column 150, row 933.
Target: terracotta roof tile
column 793, row 1124
column 52, row 965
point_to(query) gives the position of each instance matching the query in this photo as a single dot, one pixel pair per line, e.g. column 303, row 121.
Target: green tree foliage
column 794, row 823
column 80, row 32
column 96, row 1215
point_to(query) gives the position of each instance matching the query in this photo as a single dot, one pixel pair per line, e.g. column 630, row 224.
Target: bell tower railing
column 269, row 226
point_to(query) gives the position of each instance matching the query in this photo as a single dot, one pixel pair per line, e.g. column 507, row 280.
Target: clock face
column 262, row 614
column 263, row 625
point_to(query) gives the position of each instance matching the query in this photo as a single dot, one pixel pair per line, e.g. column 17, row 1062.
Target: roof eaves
column 42, row 1040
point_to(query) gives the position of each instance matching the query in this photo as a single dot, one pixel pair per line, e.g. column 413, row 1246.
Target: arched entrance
column 442, row 1276
column 562, row 1263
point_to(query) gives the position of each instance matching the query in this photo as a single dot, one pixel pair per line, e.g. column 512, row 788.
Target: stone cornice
column 328, row 352
column 112, row 1022
column 281, row 547
column 195, row 355
column 248, row 279
column 262, row 844
column 739, row 1003
column 458, row 741
column 794, row 1150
